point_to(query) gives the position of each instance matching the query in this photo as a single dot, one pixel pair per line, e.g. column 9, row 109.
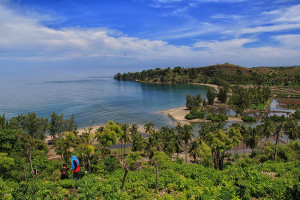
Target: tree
column 149, row 128
column 292, row 129
column 151, row 147
column 186, row 133
column 193, row 101
column 3, row 122
column 169, row 140
column 86, row 147
column 132, row 158
column 63, row 146
column 108, row 136
column 138, row 141
column 220, row 142
column 6, row 164
column 9, row 140
column 267, row 127
column 35, row 129
column 251, row 138
column 211, row 95
column 222, row 95
column 125, row 137
column 33, row 125
column 194, row 150
column 56, row 125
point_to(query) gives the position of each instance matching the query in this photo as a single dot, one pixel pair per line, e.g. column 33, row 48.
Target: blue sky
column 108, row 36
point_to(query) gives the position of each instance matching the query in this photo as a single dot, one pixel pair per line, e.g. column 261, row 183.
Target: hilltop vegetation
column 218, row 74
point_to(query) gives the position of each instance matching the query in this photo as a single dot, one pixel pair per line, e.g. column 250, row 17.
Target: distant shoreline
column 203, row 84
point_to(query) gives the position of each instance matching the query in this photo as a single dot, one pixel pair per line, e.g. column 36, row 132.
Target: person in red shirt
column 75, row 167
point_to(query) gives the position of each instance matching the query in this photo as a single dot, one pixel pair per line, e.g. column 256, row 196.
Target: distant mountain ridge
column 218, row 74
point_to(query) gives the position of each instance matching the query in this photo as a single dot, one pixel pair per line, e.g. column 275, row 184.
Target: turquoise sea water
column 96, row 99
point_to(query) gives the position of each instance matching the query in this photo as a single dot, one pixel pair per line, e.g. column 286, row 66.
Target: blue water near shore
column 95, row 99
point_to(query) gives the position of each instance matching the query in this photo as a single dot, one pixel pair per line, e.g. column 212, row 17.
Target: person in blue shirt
column 75, row 164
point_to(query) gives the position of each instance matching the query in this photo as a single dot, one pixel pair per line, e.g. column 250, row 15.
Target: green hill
column 218, row 74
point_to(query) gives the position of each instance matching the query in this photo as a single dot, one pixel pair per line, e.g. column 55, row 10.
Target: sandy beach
column 207, row 84
column 178, row 114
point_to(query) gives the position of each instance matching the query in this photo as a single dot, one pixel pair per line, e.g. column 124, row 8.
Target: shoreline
column 203, row 84
column 178, row 115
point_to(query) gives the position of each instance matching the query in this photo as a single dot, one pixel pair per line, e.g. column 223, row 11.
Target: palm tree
column 292, row 129
column 168, row 140
column 251, row 138
column 194, row 150
column 138, row 142
column 186, row 133
column 133, row 129
column 178, row 144
column 149, row 128
column 277, row 134
column 150, row 148
column 267, row 127
column 125, row 137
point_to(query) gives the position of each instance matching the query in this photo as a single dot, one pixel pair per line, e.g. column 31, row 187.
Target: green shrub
column 277, row 118
column 248, row 118
column 297, row 114
column 195, row 114
column 111, row 164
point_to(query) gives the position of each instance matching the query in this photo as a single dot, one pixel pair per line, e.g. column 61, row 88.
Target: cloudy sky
column 109, row 36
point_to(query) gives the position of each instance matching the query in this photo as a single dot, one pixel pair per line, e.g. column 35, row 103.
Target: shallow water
column 95, row 99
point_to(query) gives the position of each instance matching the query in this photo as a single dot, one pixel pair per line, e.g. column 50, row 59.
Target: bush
column 216, row 117
column 297, row 114
column 111, row 164
column 248, row 118
column 277, row 118
column 195, row 114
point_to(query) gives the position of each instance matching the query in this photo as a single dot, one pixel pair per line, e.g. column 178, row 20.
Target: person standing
column 75, row 167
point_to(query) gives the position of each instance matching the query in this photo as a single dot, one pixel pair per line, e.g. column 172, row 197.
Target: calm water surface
column 96, row 99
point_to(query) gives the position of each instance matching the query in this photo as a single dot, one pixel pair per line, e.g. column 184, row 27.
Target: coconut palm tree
column 168, row 140
column 292, row 129
column 186, row 133
column 194, row 150
column 125, row 137
column 267, row 127
column 149, row 128
column 151, row 148
column 251, row 138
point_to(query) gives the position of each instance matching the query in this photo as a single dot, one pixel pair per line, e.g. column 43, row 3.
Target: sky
column 103, row 37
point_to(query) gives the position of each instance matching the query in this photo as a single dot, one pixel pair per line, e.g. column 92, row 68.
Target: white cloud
column 23, row 38
column 291, row 41
column 26, row 38
column 290, row 15
column 270, row 28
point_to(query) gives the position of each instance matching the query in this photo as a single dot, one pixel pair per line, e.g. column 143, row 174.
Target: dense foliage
column 193, row 101
column 248, row 118
column 27, row 173
column 218, row 74
column 254, row 97
column 220, row 117
column 195, row 113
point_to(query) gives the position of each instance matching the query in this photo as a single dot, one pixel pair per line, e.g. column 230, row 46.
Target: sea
column 95, row 100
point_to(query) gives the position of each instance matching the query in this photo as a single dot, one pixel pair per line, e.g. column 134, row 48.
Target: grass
column 117, row 150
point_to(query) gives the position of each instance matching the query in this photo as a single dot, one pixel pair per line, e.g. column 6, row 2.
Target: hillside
column 219, row 74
